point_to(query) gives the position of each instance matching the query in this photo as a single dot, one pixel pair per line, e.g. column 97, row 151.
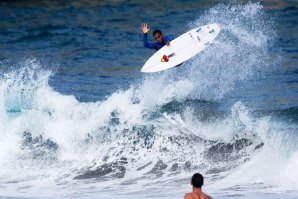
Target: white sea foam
column 47, row 138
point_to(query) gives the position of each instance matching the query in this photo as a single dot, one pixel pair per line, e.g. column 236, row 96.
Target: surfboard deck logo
column 165, row 58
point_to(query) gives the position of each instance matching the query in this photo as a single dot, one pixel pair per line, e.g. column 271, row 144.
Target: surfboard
column 182, row 48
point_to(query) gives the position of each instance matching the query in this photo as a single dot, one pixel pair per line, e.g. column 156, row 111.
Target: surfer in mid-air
column 160, row 39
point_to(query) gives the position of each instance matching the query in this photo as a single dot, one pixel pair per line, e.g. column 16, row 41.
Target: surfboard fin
column 199, row 30
column 211, row 31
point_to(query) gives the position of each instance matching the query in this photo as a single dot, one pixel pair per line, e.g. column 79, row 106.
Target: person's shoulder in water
column 195, row 196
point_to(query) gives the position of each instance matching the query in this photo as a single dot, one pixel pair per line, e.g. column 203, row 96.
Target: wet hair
column 197, row 180
column 157, row 31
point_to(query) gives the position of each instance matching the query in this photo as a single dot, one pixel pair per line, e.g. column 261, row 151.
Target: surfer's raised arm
column 144, row 28
column 158, row 36
column 146, row 44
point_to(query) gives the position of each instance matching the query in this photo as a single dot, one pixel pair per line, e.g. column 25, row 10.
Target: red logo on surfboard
column 165, row 58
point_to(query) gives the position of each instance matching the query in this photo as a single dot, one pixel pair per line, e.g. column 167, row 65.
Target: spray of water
column 144, row 133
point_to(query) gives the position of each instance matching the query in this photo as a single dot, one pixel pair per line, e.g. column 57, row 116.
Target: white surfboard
column 182, row 48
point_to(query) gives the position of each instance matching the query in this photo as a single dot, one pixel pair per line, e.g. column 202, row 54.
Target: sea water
column 79, row 120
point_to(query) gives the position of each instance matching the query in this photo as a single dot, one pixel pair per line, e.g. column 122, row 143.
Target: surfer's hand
column 144, row 28
column 168, row 43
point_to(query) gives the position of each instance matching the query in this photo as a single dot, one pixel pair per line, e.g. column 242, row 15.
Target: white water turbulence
column 141, row 139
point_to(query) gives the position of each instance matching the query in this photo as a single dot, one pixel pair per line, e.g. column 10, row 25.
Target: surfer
column 160, row 39
column 197, row 182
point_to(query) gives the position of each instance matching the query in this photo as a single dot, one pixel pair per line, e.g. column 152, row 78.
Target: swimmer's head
column 197, row 180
